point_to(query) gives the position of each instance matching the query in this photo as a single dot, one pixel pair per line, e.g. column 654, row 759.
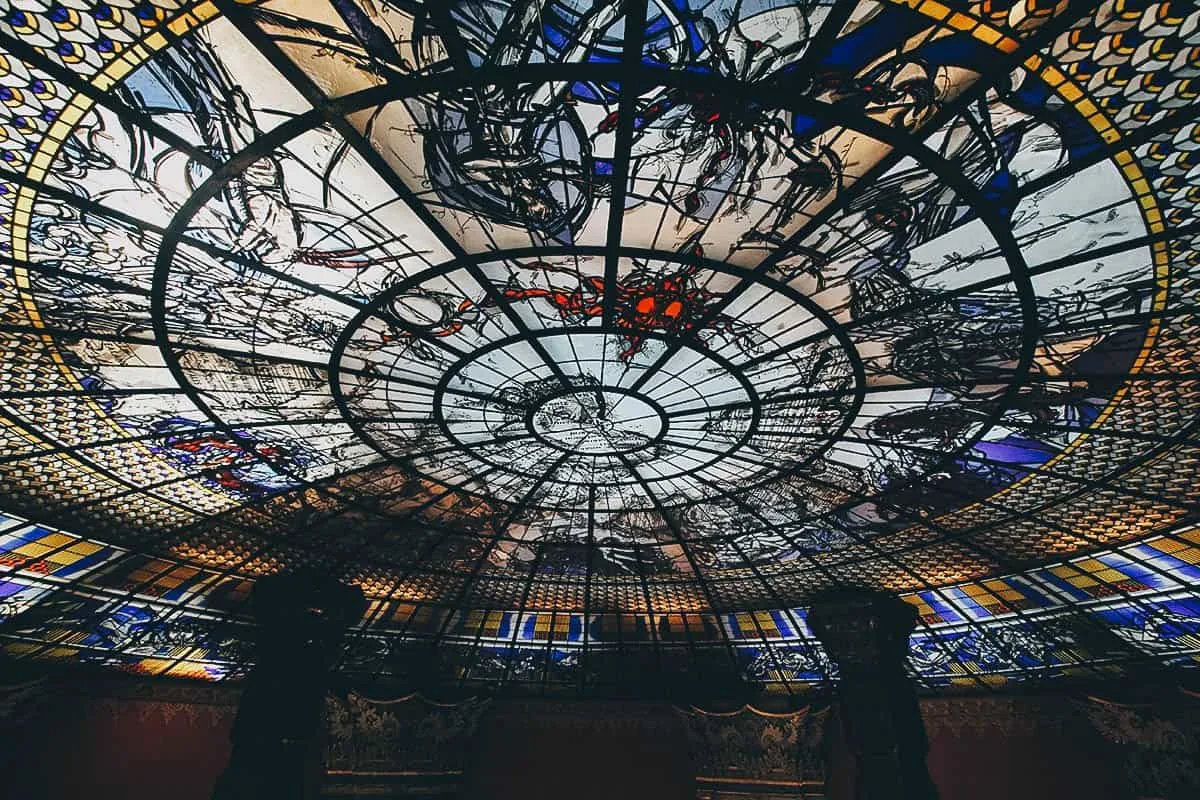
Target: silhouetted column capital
column 277, row 735
column 866, row 634
column 863, row 630
column 302, row 615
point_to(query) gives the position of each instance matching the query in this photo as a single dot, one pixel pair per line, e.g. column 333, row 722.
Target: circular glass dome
column 584, row 324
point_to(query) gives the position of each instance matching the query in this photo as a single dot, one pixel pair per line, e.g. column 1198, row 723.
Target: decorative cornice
column 21, row 701
column 205, row 694
column 566, row 715
column 999, row 715
column 752, row 748
column 1158, row 740
column 944, row 716
column 405, row 736
column 163, row 712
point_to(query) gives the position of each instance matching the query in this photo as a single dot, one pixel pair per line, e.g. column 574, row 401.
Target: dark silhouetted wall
column 156, row 745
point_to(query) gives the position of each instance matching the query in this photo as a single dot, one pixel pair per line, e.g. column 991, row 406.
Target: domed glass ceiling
column 579, row 330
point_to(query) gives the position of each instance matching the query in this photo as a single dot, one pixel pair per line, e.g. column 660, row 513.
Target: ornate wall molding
column 205, row 706
column 157, row 711
column 21, row 701
column 406, row 747
column 209, row 705
column 999, row 716
column 610, row 717
column 403, row 736
column 754, row 753
column 1159, row 743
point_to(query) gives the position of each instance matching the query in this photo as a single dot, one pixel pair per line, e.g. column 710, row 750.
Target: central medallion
column 599, row 421
column 525, row 396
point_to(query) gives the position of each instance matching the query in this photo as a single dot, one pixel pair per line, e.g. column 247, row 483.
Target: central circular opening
column 570, row 415
column 597, row 422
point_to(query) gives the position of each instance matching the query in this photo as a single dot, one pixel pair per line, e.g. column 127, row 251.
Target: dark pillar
column 277, row 736
column 866, row 633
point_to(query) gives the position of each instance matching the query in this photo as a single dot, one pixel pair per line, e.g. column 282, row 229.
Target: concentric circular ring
column 601, row 421
column 594, row 415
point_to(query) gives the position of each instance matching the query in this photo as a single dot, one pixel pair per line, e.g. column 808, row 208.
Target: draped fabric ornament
column 404, row 734
column 545, row 321
column 753, row 753
column 406, row 745
column 1160, row 742
column 23, row 695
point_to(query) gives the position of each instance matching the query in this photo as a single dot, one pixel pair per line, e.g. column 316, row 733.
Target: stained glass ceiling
column 588, row 336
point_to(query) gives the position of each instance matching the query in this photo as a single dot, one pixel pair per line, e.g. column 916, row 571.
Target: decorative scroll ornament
column 403, row 736
column 20, row 701
column 1160, row 744
column 753, row 752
